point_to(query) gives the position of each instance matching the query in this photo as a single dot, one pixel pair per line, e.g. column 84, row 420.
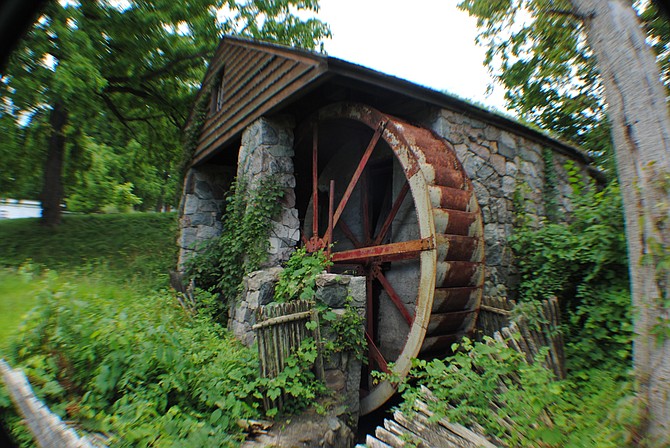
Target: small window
column 218, row 94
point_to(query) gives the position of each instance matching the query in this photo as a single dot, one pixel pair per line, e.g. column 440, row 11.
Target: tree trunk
column 637, row 109
column 52, row 190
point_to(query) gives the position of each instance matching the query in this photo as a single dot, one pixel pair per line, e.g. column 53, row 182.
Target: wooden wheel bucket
column 398, row 208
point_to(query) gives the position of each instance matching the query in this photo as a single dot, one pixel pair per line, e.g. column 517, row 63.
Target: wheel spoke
column 329, row 232
column 394, row 211
column 358, row 172
column 395, row 298
column 365, row 208
column 375, row 355
column 349, row 234
column 386, row 252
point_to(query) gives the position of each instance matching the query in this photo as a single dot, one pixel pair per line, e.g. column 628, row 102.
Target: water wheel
column 397, row 207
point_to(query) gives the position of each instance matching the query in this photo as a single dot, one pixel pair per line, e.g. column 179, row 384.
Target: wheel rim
column 450, row 266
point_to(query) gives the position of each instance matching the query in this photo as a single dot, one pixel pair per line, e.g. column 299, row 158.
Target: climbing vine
column 220, row 266
column 298, row 279
column 583, row 262
column 348, row 331
column 550, row 191
column 298, row 282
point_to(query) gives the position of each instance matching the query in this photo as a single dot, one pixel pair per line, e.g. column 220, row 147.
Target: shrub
column 584, row 263
column 517, row 403
column 138, row 369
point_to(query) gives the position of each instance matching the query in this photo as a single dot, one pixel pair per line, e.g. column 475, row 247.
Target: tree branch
column 117, row 113
column 127, row 89
column 151, row 74
column 566, row 12
column 147, row 95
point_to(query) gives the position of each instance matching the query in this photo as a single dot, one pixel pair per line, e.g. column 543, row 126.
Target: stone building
column 424, row 185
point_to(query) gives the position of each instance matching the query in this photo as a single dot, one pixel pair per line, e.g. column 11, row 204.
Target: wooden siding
column 256, row 78
column 262, row 77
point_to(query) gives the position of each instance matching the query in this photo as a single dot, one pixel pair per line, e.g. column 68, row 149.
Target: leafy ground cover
column 133, row 366
column 582, row 261
column 107, row 345
column 17, row 297
column 136, row 249
column 137, row 246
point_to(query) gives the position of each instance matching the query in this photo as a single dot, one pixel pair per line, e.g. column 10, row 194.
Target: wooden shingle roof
column 248, row 79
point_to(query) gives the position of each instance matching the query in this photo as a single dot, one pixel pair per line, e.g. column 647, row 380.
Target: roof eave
column 442, row 100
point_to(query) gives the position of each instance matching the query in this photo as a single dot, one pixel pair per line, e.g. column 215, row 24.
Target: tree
column 638, row 113
column 124, row 73
column 538, row 53
column 605, row 35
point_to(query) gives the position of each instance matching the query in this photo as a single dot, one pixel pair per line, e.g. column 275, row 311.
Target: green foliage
column 298, row 279
column 242, row 246
column 21, row 155
column 134, row 247
column 297, row 381
column 17, row 298
column 125, row 74
column 658, row 29
column 537, row 50
column 517, row 403
column 136, row 367
column 583, row 263
column 298, row 282
column 550, row 191
column 96, row 187
column 348, row 329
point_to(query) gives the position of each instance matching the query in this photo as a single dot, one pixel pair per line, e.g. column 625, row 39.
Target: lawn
column 104, row 343
column 17, row 297
column 135, row 250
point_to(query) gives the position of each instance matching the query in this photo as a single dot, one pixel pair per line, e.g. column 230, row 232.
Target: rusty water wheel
column 422, row 253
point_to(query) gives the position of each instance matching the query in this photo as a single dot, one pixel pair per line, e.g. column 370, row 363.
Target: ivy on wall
column 583, row 262
column 219, row 267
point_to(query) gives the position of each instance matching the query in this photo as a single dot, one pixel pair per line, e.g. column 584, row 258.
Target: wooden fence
column 528, row 335
column 494, row 314
column 540, row 327
column 47, row 429
column 422, row 430
column 280, row 329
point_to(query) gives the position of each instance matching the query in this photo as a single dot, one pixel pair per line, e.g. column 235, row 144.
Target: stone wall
column 500, row 163
column 201, row 207
column 258, row 290
column 343, row 370
column 267, row 151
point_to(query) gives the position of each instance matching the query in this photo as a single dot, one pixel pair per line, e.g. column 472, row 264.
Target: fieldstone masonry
column 267, row 151
column 258, row 290
column 343, row 370
column 201, row 207
column 499, row 164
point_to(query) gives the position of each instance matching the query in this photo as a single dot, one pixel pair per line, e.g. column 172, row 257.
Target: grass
column 131, row 246
column 17, row 297
column 102, row 251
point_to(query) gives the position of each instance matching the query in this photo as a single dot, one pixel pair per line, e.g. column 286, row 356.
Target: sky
column 431, row 43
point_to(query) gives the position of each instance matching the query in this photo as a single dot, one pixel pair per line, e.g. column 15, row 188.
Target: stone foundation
column 343, row 370
column 267, row 151
column 501, row 164
column 201, row 207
